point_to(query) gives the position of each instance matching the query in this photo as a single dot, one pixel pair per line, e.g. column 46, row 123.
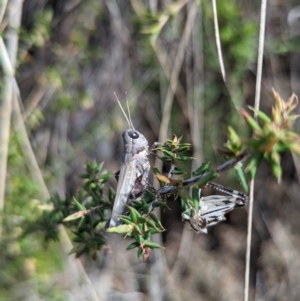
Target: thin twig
column 256, row 105
column 218, row 42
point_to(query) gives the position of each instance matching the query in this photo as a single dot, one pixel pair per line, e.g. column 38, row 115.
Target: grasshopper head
column 134, row 141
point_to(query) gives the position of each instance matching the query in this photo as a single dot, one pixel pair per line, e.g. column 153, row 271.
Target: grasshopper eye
column 133, row 135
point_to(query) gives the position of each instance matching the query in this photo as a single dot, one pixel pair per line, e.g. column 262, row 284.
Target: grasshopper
column 133, row 175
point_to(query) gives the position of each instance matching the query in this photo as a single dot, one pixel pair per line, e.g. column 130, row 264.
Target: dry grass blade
column 4, row 128
column 218, row 42
column 257, row 103
column 14, row 19
column 2, row 9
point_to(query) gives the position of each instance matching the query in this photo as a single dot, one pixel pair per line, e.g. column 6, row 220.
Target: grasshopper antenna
column 129, row 123
column 129, row 112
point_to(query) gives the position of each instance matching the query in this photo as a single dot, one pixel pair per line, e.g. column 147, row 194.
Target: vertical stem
column 12, row 36
column 249, row 236
column 5, row 114
column 218, row 42
column 256, row 105
column 3, row 5
column 260, row 54
column 14, row 19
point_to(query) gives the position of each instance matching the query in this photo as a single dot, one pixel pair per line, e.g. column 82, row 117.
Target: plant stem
column 256, row 105
column 14, row 19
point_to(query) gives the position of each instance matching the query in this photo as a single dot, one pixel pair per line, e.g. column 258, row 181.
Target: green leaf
column 74, row 216
column 282, row 146
column 253, row 124
column 149, row 196
column 156, row 171
column 241, row 175
column 165, row 159
column 140, row 239
column 277, row 171
column 126, row 219
column 184, row 158
column 153, row 231
column 200, row 170
column 264, row 117
column 111, row 194
column 253, row 164
column 210, row 176
column 155, row 218
column 152, row 245
column 78, row 205
column 195, row 197
column 158, row 226
column 167, row 152
column 142, row 220
column 133, row 245
column 159, row 204
column 233, row 136
column 97, row 167
column 178, row 171
column 140, row 253
column 80, row 223
column 105, row 177
column 145, row 207
column 120, row 229
column 275, row 157
column 185, row 145
column 138, row 229
column 183, row 203
column 151, row 224
column 134, row 214
column 138, row 204
column 183, row 148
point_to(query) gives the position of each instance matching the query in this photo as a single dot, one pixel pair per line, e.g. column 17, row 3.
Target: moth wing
column 214, row 208
column 213, row 201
